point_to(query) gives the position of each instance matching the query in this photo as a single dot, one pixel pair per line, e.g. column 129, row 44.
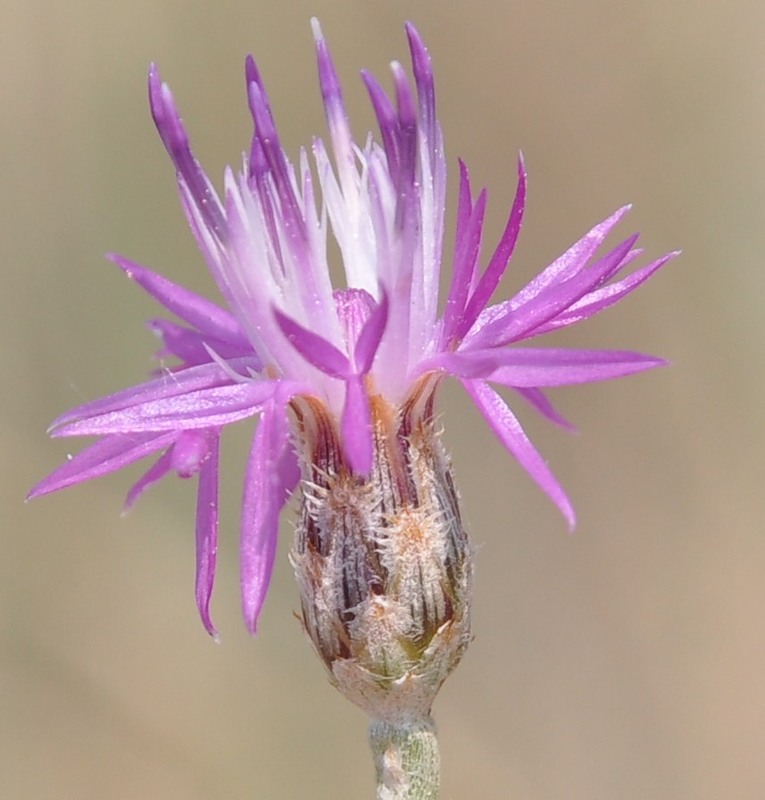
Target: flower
column 289, row 347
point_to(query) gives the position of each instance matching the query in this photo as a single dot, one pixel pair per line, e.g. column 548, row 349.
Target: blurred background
column 624, row 661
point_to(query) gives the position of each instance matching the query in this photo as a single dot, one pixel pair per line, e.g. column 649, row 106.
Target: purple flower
column 286, row 336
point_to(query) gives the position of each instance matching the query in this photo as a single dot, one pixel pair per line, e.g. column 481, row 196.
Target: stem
column 406, row 758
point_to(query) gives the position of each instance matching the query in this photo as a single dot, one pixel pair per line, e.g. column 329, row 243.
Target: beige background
column 622, row 662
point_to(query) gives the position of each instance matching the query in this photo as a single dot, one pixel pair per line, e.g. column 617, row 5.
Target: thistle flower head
column 356, row 365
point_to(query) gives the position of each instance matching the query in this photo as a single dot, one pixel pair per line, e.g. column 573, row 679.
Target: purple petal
column 176, row 141
column 353, row 307
column 356, row 426
column 269, row 480
column 524, row 320
column 252, row 75
column 387, row 119
column 573, row 260
column 407, row 137
column 535, row 367
column 331, row 91
column 197, row 311
column 315, row 349
column 155, row 473
column 100, row 458
column 423, row 78
column 186, row 456
column 193, row 348
column 541, row 403
column 168, row 385
column 267, row 158
column 499, row 261
column 207, row 408
column 467, row 243
column 605, row 296
column 273, row 153
column 189, row 452
column 207, row 531
column 508, row 430
column 371, row 334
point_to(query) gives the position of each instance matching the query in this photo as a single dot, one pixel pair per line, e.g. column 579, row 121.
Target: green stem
column 406, row 758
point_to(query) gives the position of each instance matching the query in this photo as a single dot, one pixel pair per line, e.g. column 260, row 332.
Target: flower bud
column 383, row 562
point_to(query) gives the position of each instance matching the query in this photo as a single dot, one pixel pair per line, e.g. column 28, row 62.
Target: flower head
column 296, row 351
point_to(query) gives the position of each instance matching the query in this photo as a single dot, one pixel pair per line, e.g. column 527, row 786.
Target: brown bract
column 383, row 563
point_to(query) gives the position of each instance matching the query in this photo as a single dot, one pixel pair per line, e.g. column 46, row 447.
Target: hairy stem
column 406, row 758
